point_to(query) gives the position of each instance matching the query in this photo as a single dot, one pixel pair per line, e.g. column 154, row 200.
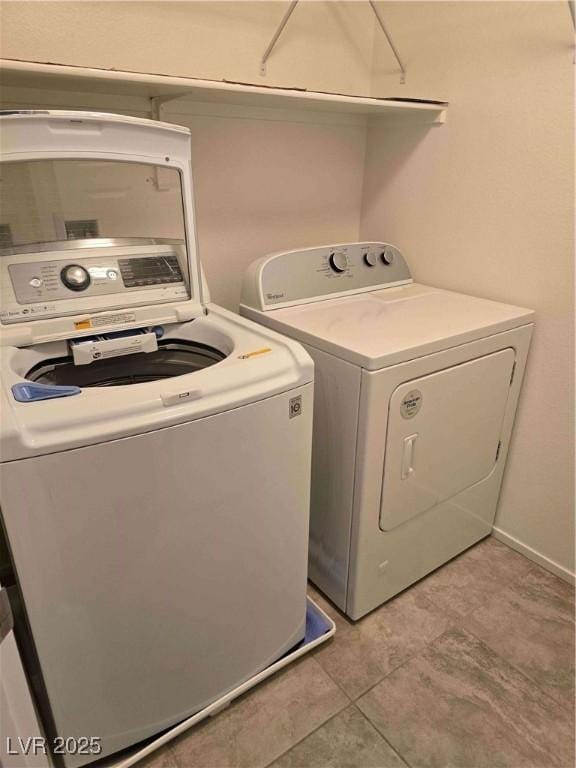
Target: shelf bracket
column 276, row 35
column 379, row 19
column 156, row 103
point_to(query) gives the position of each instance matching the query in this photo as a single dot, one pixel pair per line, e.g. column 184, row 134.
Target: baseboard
column 531, row 554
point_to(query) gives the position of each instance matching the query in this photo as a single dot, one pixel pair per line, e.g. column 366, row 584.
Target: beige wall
column 264, row 186
column 485, row 205
column 325, row 46
column 482, row 204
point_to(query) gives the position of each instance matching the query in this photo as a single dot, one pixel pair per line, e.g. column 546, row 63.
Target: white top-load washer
column 415, row 395
column 155, row 448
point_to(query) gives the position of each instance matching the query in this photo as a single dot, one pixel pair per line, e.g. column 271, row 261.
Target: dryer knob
column 338, row 262
column 387, row 256
column 370, row 259
column 75, row 277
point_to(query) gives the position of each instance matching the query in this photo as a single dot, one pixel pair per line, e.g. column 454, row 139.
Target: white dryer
column 415, row 394
column 155, row 448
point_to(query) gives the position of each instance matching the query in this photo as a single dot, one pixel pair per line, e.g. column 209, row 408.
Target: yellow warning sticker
column 256, row 352
column 83, row 325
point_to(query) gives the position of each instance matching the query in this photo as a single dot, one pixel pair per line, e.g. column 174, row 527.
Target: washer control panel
column 316, row 273
column 52, row 283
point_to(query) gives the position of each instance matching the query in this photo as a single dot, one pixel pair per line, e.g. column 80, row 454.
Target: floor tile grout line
column 396, row 751
column 348, row 696
column 391, row 672
column 326, row 672
column 349, row 702
column 379, row 732
column 501, row 659
column 417, row 653
column 441, row 612
column 321, row 725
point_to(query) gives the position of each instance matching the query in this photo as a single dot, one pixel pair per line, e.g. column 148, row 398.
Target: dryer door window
column 443, row 435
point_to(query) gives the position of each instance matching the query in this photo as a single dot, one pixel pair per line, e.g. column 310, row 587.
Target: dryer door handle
column 408, row 456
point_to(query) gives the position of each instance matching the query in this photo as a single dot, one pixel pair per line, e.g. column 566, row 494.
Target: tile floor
column 473, row 667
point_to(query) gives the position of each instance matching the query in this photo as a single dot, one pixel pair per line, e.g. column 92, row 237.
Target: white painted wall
column 485, row 205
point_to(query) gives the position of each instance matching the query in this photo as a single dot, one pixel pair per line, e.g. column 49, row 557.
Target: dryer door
column 443, row 435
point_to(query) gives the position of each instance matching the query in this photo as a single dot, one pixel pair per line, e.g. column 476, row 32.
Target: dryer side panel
column 336, row 397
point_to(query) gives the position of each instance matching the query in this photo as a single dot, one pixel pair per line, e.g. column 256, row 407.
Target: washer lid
column 393, row 325
column 98, row 229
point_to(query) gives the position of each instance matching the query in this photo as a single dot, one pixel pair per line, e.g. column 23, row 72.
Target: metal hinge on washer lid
column 185, row 313
column 29, row 392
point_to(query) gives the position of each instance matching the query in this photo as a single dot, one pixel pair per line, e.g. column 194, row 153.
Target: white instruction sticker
column 97, row 321
column 117, row 319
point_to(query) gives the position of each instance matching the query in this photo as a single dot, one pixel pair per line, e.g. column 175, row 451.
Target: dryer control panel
column 310, row 274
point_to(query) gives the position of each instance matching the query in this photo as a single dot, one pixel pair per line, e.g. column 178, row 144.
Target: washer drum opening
column 173, row 358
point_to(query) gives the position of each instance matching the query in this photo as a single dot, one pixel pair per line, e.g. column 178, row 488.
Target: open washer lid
column 98, row 231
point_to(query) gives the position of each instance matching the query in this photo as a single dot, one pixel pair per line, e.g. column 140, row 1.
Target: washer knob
column 75, row 277
column 387, row 256
column 338, row 262
column 370, row 259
